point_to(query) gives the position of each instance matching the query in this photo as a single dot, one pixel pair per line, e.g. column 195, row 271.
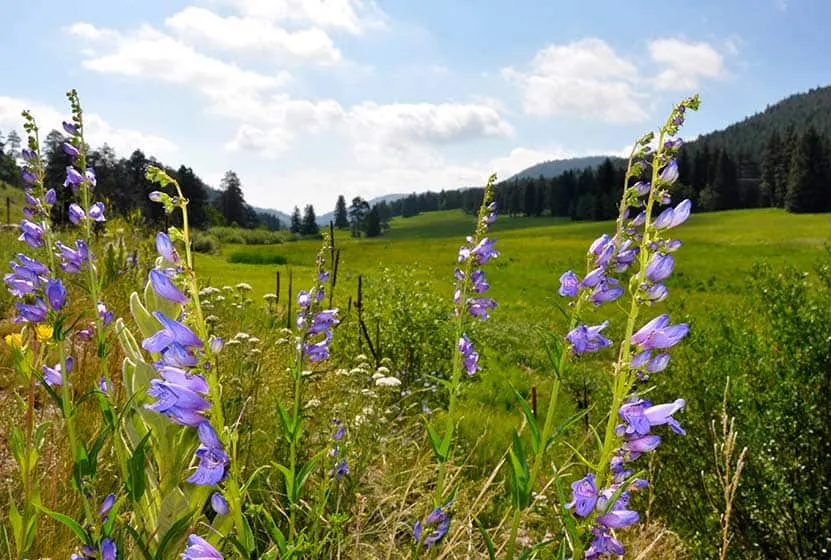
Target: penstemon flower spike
column 644, row 240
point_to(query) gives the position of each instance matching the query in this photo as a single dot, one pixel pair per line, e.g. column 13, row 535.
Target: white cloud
column 97, row 130
column 585, row 78
column 427, row 122
column 353, row 16
column 686, row 63
column 149, row 53
column 253, row 35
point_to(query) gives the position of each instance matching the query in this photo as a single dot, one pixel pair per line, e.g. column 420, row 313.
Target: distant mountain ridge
column 556, row 167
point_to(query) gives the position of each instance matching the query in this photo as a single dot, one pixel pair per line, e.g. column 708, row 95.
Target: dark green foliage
column 777, row 354
column 296, row 225
column 232, row 202
column 373, row 223
column 309, row 225
column 358, row 212
column 341, row 217
column 258, row 256
column 808, row 175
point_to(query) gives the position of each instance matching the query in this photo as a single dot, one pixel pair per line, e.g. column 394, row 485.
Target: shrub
column 205, row 243
column 257, row 257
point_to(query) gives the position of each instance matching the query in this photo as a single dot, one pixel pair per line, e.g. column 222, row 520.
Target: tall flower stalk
column 310, row 344
column 470, row 302
column 600, row 499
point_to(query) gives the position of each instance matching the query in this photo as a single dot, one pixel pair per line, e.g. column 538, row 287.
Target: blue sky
column 308, row 99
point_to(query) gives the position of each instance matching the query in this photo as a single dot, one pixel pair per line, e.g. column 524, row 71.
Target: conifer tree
column 373, row 223
column 341, row 216
column 309, row 225
column 296, row 223
column 808, row 176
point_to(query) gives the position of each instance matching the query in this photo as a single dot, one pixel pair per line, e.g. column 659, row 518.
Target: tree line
column 122, row 184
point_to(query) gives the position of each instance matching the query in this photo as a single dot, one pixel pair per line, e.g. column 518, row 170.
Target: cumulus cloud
column 585, row 78
column 353, row 16
column 686, row 63
column 148, row 53
column 97, row 130
column 255, row 36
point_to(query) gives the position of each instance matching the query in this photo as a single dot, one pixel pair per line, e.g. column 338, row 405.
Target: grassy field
column 719, row 251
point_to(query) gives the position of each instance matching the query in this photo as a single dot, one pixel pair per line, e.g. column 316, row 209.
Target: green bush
column 239, row 236
column 205, row 243
column 257, row 257
column 777, row 354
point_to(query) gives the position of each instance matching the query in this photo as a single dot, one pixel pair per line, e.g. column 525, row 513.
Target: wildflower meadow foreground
column 168, row 436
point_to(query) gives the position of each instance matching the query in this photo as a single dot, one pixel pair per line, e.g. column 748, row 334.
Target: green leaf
column 288, row 421
column 73, row 525
column 147, row 324
column 566, row 425
column 487, row 538
column 520, row 483
column 436, row 442
column 136, row 483
column 176, row 531
column 532, row 422
column 288, row 475
column 304, row 473
column 16, row 521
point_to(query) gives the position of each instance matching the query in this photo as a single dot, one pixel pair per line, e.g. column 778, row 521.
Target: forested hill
column 558, row 166
column 798, row 112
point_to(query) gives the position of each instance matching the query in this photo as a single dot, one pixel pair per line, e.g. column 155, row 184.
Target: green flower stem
column 623, row 378
column 456, row 376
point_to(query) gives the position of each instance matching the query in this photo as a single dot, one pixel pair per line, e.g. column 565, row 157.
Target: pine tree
column 771, row 192
column 341, row 216
column 807, row 180
column 296, row 223
column 373, row 223
column 309, row 225
column 232, row 202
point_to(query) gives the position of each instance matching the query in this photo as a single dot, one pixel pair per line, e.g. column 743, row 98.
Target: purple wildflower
column 96, row 212
column 73, row 178
column 618, row 518
column 172, row 331
column 178, row 395
column 588, row 339
column 669, row 174
column 55, row 294
column 479, row 307
column 212, row 458
column 54, row 375
column 603, row 544
column 165, row 287
column 569, row 284
column 32, row 234
column 470, row 358
column 108, row 550
column 219, row 504
column 32, row 312
column 484, row 251
column 166, row 248
column 658, row 333
column 660, row 267
column 71, row 150
column 76, row 213
column 583, row 495
column 200, row 549
column 439, row 520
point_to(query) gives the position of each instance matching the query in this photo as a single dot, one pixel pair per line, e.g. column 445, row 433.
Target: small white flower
column 360, row 358
column 253, row 340
column 384, row 370
column 255, row 351
column 228, row 288
column 270, row 297
column 242, row 336
column 219, row 299
column 377, row 375
column 211, row 319
column 387, row 382
column 244, row 287
column 313, row 403
column 233, row 341
column 342, row 371
column 356, row 371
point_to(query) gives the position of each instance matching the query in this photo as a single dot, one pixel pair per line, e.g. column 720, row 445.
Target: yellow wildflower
column 15, row 340
column 43, row 333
